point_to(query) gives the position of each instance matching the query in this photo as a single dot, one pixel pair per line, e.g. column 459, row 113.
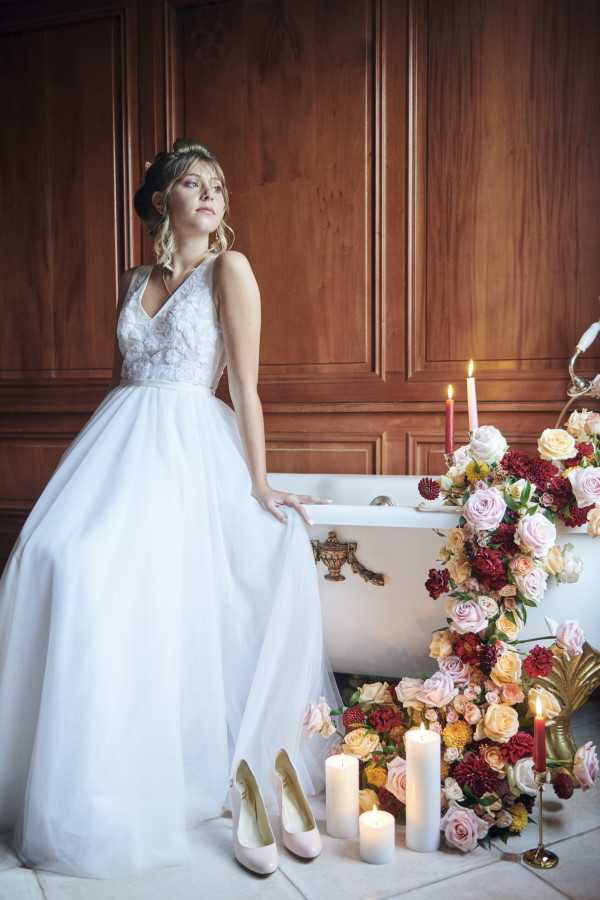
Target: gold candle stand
column 540, row 857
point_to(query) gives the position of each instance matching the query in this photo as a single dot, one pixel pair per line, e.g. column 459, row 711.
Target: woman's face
column 196, row 201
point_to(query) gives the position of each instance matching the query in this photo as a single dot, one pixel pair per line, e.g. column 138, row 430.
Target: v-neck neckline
column 172, row 296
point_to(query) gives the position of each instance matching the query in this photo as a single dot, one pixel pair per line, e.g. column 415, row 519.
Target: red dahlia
column 474, row 773
column 576, row 516
column 429, row 488
column 516, row 462
column 488, row 566
column 488, row 657
column 468, row 647
column 520, row 745
column 384, row 719
column 542, row 472
column 353, row 716
column 504, row 536
column 539, row 662
column 584, row 451
column 388, row 802
column 437, row 583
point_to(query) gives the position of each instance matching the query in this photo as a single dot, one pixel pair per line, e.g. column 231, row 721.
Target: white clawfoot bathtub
column 385, row 630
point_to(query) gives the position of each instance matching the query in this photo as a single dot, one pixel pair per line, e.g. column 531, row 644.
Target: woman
column 159, row 613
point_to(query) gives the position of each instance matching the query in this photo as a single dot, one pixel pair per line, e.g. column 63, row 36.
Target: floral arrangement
column 497, row 563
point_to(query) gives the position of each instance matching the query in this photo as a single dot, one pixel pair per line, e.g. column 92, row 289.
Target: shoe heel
column 253, row 839
column 299, row 828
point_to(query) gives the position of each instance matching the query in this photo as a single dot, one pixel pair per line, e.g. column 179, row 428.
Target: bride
column 160, row 615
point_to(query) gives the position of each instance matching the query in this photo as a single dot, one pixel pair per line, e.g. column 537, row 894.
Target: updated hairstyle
column 161, row 175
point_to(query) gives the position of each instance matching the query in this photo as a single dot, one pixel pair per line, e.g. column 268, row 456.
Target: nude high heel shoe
column 253, row 839
column 298, row 826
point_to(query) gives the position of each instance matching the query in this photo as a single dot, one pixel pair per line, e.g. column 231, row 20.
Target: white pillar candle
column 341, row 795
column 423, row 789
column 377, row 834
column 472, row 399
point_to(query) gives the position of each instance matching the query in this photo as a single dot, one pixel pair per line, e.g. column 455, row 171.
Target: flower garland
column 497, row 563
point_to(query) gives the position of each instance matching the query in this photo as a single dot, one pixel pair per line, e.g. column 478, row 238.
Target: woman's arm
column 238, row 299
column 124, row 281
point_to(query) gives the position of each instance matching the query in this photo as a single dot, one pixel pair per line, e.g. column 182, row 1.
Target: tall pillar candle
column 423, row 789
column 472, row 399
column 539, row 738
column 450, row 420
column 341, row 795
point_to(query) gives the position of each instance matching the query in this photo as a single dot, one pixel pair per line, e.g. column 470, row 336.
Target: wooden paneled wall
column 415, row 182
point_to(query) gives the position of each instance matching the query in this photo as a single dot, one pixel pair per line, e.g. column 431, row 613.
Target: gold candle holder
column 540, row 857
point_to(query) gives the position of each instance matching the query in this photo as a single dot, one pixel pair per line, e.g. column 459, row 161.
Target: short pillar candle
column 377, row 836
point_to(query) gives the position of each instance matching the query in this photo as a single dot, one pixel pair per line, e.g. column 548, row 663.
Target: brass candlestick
column 540, row 857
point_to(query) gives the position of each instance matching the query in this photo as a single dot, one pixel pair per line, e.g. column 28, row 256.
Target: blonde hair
column 161, row 175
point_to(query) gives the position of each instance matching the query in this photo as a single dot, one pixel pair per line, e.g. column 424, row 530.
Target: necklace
column 188, row 271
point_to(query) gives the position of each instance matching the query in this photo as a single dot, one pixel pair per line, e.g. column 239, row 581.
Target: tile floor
column 572, row 830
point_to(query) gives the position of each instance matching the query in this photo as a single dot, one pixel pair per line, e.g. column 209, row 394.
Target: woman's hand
column 271, row 500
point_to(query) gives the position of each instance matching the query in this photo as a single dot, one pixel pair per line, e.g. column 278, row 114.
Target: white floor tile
column 578, row 871
column 19, row 884
column 495, row 882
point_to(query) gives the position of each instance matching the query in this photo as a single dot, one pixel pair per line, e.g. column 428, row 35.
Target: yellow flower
column 476, row 470
column 520, row 818
column 508, row 627
column 376, row 775
column 367, row 799
column 445, row 768
column 457, row 734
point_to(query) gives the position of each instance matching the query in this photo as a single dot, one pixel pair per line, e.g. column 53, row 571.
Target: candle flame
column 538, row 707
column 450, row 392
column 471, row 368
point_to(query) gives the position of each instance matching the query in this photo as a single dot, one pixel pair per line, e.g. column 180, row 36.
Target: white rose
column 452, row 789
column 462, row 458
column 488, row 445
column 576, row 424
column 523, row 777
column 451, row 754
column 572, row 566
column 407, row 691
column 489, row 606
column 317, row 719
column 569, row 636
column 533, row 584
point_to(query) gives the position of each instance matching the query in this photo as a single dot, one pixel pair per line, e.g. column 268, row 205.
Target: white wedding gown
column 156, row 623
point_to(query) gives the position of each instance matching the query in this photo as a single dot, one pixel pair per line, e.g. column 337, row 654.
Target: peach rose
column 441, row 645
column 456, row 539
column 522, row 565
column 472, row 713
column 553, row 563
column 492, row 755
column 508, row 627
column 361, row 743
column 551, row 707
column 459, row 569
column 512, row 693
column 367, row 799
column 500, row 723
column 507, row 668
column 593, row 522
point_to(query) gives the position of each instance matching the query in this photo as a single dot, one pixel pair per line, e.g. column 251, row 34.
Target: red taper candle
column 450, row 420
column 539, row 738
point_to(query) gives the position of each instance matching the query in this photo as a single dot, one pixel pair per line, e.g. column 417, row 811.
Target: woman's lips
column 206, row 210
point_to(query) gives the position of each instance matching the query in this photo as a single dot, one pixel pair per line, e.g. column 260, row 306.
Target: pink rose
column 570, row 637
column 472, row 713
column 455, row 668
column 462, row 828
column 533, row 585
column 396, row 778
column 468, row 616
column 471, row 692
column 407, row 691
column 585, row 765
column 438, row 690
column 586, row 485
column 317, row 719
column 536, row 533
column 451, row 715
column 492, row 697
column 435, row 726
column 431, row 715
column 485, row 509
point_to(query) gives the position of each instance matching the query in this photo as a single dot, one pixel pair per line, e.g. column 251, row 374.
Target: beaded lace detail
column 183, row 341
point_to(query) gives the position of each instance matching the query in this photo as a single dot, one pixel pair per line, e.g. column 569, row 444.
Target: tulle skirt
column 156, row 626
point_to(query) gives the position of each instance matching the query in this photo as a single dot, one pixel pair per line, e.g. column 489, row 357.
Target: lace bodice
column 183, row 341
